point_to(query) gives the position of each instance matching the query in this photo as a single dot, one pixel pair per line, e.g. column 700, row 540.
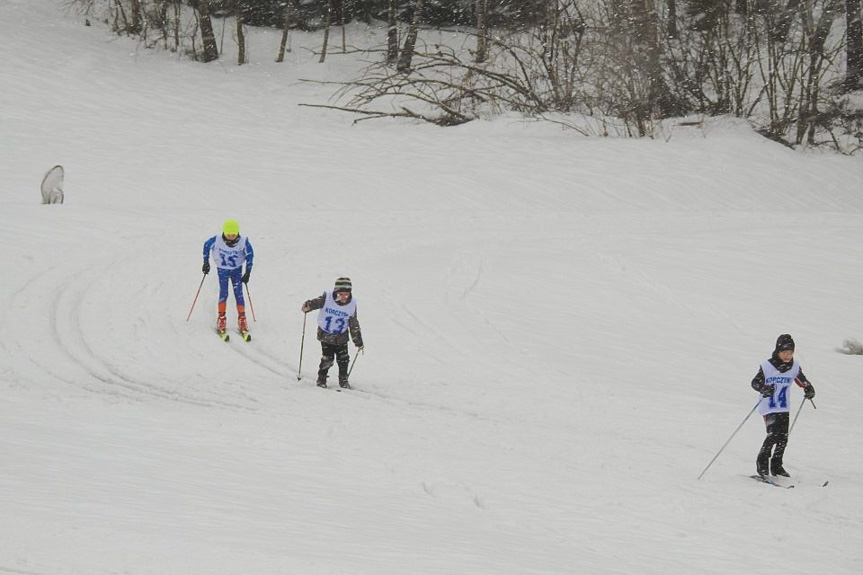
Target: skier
column 229, row 250
column 773, row 382
column 338, row 315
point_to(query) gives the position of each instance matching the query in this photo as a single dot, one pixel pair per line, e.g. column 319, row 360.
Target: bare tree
column 241, row 34
column 137, row 23
column 342, row 25
column 208, row 37
column 854, row 45
column 671, row 28
column 327, row 31
column 781, row 19
column 392, row 33
column 404, row 64
column 481, row 31
column 291, row 8
column 818, row 31
column 648, row 55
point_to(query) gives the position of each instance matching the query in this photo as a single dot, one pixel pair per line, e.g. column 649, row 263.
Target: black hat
column 342, row 284
column 784, row 343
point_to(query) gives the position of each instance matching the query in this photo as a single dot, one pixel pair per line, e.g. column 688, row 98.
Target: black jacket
column 801, row 380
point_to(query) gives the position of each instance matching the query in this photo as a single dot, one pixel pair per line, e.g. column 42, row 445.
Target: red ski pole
column 196, row 297
column 302, row 343
column 251, row 305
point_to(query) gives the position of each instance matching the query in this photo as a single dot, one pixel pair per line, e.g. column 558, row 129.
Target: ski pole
column 302, row 343
column 356, row 355
column 196, row 297
column 730, row 438
column 796, row 415
column 251, row 305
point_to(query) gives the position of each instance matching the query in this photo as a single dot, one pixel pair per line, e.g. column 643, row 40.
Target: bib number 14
column 780, row 399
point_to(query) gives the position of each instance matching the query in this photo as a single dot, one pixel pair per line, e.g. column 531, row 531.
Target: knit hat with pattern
column 784, row 343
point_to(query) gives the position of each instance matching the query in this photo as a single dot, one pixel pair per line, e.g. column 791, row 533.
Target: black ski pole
column 730, row 438
column 356, row 355
column 796, row 415
column 302, row 343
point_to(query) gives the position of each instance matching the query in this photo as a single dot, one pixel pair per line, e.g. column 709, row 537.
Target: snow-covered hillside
column 560, row 331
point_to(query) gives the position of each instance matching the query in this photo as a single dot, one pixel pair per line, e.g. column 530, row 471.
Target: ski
column 332, row 388
column 245, row 335
column 768, row 481
column 223, row 335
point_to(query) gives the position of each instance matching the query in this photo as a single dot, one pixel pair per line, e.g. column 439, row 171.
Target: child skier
column 773, row 382
column 338, row 315
column 230, row 250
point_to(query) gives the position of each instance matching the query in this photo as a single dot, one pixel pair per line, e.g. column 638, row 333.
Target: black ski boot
column 322, row 379
column 777, row 469
column 343, row 382
column 761, row 464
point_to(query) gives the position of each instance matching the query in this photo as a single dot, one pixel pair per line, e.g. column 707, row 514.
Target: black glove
column 809, row 391
column 767, row 390
column 245, row 278
column 206, row 268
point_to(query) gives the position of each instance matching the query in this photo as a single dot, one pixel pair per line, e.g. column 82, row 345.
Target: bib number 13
column 335, row 325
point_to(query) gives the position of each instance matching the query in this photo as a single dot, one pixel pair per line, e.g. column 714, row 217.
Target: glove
column 306, row 308
column 809, row 392
column 767, row 390
column 206, row 268
column 245, row 278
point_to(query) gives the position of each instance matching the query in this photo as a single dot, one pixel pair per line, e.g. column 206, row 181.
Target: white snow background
column 560, row 330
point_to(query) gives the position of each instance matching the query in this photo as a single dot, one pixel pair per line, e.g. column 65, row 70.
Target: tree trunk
column 647, row 35
column 137, row 24
column 327, row 31
column 407, row 55
column 654, row 64
column 392, row 33
column 342, row 24
column 854, row 45
column 286, row 26
column 178, row 13
column 818, row 33
column 208, row 37
column 241, row 35
column 671, row 31
column 782, row 23
column 481, row 31
column 291, row 10
column 119, row 12
column 162, row 15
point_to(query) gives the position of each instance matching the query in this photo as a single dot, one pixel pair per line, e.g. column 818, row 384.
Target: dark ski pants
column 330, row 354
column 776, row 440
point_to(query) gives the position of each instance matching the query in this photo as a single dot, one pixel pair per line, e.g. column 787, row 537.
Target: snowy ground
column 560, row 332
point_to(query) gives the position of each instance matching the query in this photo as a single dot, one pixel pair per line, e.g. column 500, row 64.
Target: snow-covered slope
column 560, row 331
